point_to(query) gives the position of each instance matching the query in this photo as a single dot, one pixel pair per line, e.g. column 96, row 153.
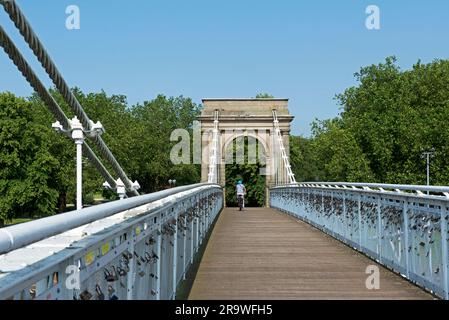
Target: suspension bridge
column 312, row 241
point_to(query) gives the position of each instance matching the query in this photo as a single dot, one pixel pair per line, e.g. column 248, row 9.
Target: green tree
column 388, row 119
column 28, row 171
column 249, row 173
column 264, row 96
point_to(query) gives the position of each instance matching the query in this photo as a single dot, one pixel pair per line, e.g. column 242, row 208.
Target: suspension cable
column 290, row 175
column 37, row 47
column 213, row 161
column 25, row 69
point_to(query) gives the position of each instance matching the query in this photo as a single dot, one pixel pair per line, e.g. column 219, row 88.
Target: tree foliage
column 37, row 165
column 386, row 122
column 248, row 171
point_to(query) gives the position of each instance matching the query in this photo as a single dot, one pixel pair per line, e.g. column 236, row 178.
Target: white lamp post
column 172, row 182
column 76, row 132
column 427, row 155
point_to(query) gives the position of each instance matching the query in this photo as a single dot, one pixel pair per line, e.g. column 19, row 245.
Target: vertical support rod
column 158, row 262
column 192, row 224
column 406, row 239
column 184, row 234
column 175, row 260
column 132, row 272
column 444, row 248
column 79, row 174
column 359, row 209
column 379, row 228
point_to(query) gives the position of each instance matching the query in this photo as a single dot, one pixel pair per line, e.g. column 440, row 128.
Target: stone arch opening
column 244, row 117
column 245, row 159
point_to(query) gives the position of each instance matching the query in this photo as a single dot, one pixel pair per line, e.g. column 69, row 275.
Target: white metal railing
column 285, row 169
column 403, row 227
column 137, row 248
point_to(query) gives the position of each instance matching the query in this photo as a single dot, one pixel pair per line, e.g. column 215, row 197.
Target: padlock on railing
column 100, row 294
column 85, row 295
column 110, row 276
column 111, row 292
column 121, row 272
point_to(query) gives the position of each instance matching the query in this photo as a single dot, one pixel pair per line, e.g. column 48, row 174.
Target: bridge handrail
column 397, row 188
column 400, row 226
column 20, row 235
column 146, row 244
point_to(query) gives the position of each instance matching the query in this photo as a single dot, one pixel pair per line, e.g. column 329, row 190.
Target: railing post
column 192, row 224
column 158, row 260
column 184, row 234
column 444, row 248
column 197, row 231
column 132, row 273
column 359, row 210
column 345, row 223
column 406, row 240
column 379, row 227
column 175, row 258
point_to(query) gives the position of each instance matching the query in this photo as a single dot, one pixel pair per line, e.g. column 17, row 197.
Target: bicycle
column 240, row 201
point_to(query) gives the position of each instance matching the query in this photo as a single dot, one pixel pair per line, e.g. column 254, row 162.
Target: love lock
column 124, row 264
column 111, row 292
column 148, row 257
column 139, row 259
column 155, row 255
column 100, row 294
column 85, row 295
column 127, row 255
column 121, row 272
column 150, row 241
column 142, row 273
column 110, row 276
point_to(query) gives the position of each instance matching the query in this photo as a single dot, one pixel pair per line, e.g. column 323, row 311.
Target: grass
column 17, row 221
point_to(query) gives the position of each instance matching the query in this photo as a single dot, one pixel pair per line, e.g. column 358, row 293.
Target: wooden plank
column 263, row 254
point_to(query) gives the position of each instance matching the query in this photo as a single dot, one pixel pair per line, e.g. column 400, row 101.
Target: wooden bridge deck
column 264, row 254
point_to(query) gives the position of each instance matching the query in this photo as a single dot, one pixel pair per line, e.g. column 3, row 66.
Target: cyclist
column 241, row 191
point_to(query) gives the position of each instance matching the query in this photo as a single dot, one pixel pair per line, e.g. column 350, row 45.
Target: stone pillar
column 205, row 144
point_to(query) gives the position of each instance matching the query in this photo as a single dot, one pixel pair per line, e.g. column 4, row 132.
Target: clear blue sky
column 303, row 50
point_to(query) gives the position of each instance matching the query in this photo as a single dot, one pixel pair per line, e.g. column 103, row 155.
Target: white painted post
column 78, row 137
column 175, row 260
column 184, row 234
column 132, row 273
column 359, row 201
column 158, row 262
column 379, row 228
column 79, row 174
column 444, row 248
column 406, row 239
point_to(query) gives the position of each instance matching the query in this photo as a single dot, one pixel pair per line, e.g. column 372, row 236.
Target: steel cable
column 38, row 49
column 24, row 68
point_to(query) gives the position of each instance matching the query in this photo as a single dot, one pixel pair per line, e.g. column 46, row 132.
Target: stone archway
column 244, row 117
column 251, row 168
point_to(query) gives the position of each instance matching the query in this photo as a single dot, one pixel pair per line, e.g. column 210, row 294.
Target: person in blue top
column 241, row 192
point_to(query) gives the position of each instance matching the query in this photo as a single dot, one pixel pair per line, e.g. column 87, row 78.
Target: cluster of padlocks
column 142, row 256
column 407, row 231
